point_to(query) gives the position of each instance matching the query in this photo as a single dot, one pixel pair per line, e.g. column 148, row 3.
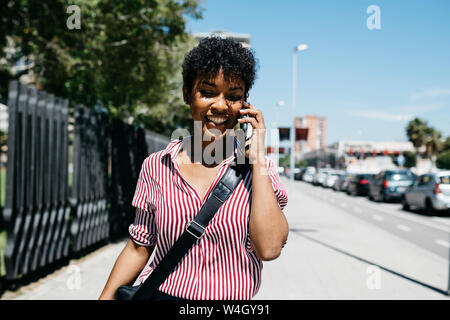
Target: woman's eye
column 234, row 98
column 206, row 93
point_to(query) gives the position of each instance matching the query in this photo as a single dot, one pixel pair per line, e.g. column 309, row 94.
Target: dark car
column 390, row 185
column 299, row 175
column 359, row 184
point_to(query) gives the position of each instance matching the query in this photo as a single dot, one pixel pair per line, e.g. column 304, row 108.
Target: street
column 337, row 244
column 430, row 233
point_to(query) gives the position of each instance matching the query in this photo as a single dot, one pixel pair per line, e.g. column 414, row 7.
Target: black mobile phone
column 247, row 127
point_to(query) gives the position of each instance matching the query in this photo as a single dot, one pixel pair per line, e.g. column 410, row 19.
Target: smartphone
column 247, row 127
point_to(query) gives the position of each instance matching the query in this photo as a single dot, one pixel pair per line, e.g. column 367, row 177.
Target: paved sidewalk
column 329, row 255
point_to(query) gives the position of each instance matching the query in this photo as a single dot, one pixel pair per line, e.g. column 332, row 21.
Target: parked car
column 346, row 181
column 319, row 177
column 342, row 182
column 308, row 176
column 430, row 191
column 299, row 175
column 359, row 184
column 331, row 178
column 390, row 184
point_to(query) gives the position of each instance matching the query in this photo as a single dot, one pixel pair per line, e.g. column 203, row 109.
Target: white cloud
column 382, row 115
column 430, row 94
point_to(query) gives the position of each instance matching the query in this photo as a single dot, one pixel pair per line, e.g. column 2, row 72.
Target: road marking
column 377, row 217
column 406, row 215
column 443, row 243
column 403, row 228
column 441, row 220
column 356, row 209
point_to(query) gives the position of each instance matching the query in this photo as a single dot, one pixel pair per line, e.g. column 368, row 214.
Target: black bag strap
column 194, row 230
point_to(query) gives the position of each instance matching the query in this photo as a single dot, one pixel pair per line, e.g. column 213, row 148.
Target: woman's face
column 216, row 101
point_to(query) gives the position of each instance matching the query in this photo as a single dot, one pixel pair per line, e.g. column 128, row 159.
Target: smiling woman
column 174, row 184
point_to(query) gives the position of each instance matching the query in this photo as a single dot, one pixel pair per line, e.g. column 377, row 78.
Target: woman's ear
column 186, row 95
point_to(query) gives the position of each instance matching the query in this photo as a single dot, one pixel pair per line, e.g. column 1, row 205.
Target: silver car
column 331, row 178
column 308, row 176
column 430, row 191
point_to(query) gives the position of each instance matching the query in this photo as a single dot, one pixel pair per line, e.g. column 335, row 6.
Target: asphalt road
column 430, row 233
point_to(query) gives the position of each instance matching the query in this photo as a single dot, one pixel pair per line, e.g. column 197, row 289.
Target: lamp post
column 299, row 48
column 277, row 128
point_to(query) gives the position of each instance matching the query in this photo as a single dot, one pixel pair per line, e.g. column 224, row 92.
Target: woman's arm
column 268, row 226
column 129, row 264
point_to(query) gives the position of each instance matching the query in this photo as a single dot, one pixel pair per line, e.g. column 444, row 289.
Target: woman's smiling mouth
column 217, row 120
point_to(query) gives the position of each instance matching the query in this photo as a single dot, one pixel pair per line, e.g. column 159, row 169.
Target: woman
column 248, row 228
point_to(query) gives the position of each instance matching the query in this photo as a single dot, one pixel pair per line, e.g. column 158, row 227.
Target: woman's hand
column 255, row 146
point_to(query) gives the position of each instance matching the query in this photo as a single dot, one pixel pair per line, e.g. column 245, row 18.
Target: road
column 430, row 233
column 336, row 242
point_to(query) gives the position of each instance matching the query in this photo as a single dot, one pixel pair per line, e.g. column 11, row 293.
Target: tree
column 446, row 144
column 125, row 56
column 410, row 159
column 432, row 142
column 443, row 160
column 416, row 132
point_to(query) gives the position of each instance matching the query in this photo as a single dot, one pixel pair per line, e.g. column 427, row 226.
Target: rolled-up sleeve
column 143, row 230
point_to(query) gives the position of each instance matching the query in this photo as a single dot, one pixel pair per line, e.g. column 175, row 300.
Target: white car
column 430, row 191
column 331, row 178
column 319, row 177
column 308, row 176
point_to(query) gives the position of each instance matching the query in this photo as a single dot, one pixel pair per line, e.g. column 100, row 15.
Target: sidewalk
column 329, row 255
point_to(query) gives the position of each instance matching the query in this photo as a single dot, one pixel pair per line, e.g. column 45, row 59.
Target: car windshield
column 399, row 176
column 444, row 179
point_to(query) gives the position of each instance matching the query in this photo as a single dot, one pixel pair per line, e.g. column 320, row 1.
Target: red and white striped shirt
column 222, row 265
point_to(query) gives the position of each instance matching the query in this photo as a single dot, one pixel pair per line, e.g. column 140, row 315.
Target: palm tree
column 416, row 131
column 433, row 143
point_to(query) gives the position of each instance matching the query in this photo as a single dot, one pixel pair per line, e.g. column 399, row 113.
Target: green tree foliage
column 421, row 134
column 416, row 131
column 443, row 160
column 410, row 159
column 125, row 57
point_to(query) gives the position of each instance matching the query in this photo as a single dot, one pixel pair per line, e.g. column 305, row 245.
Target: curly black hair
column 213, row 54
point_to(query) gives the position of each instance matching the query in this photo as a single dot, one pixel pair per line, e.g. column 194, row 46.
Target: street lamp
column 299, row 48
column 277, row 133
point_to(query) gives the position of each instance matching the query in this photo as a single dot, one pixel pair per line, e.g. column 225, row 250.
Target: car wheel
column 405, row 204
column 429, row 210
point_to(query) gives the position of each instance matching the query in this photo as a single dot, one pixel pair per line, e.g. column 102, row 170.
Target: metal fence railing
column 70, row 178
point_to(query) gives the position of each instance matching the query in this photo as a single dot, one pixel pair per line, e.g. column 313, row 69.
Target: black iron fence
column 70, row 178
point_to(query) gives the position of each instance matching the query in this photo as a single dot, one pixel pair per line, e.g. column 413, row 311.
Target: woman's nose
column 220, row 103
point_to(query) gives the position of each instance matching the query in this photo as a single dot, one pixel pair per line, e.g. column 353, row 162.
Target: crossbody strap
column 194, row 230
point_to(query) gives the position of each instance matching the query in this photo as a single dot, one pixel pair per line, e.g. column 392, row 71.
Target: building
column 243, row 38
column 359, row 156
column 317, row 133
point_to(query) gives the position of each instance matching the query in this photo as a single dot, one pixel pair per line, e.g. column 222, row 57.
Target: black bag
column 194, row 231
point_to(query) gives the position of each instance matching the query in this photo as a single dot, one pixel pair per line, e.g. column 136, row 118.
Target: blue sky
column 368, row 83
